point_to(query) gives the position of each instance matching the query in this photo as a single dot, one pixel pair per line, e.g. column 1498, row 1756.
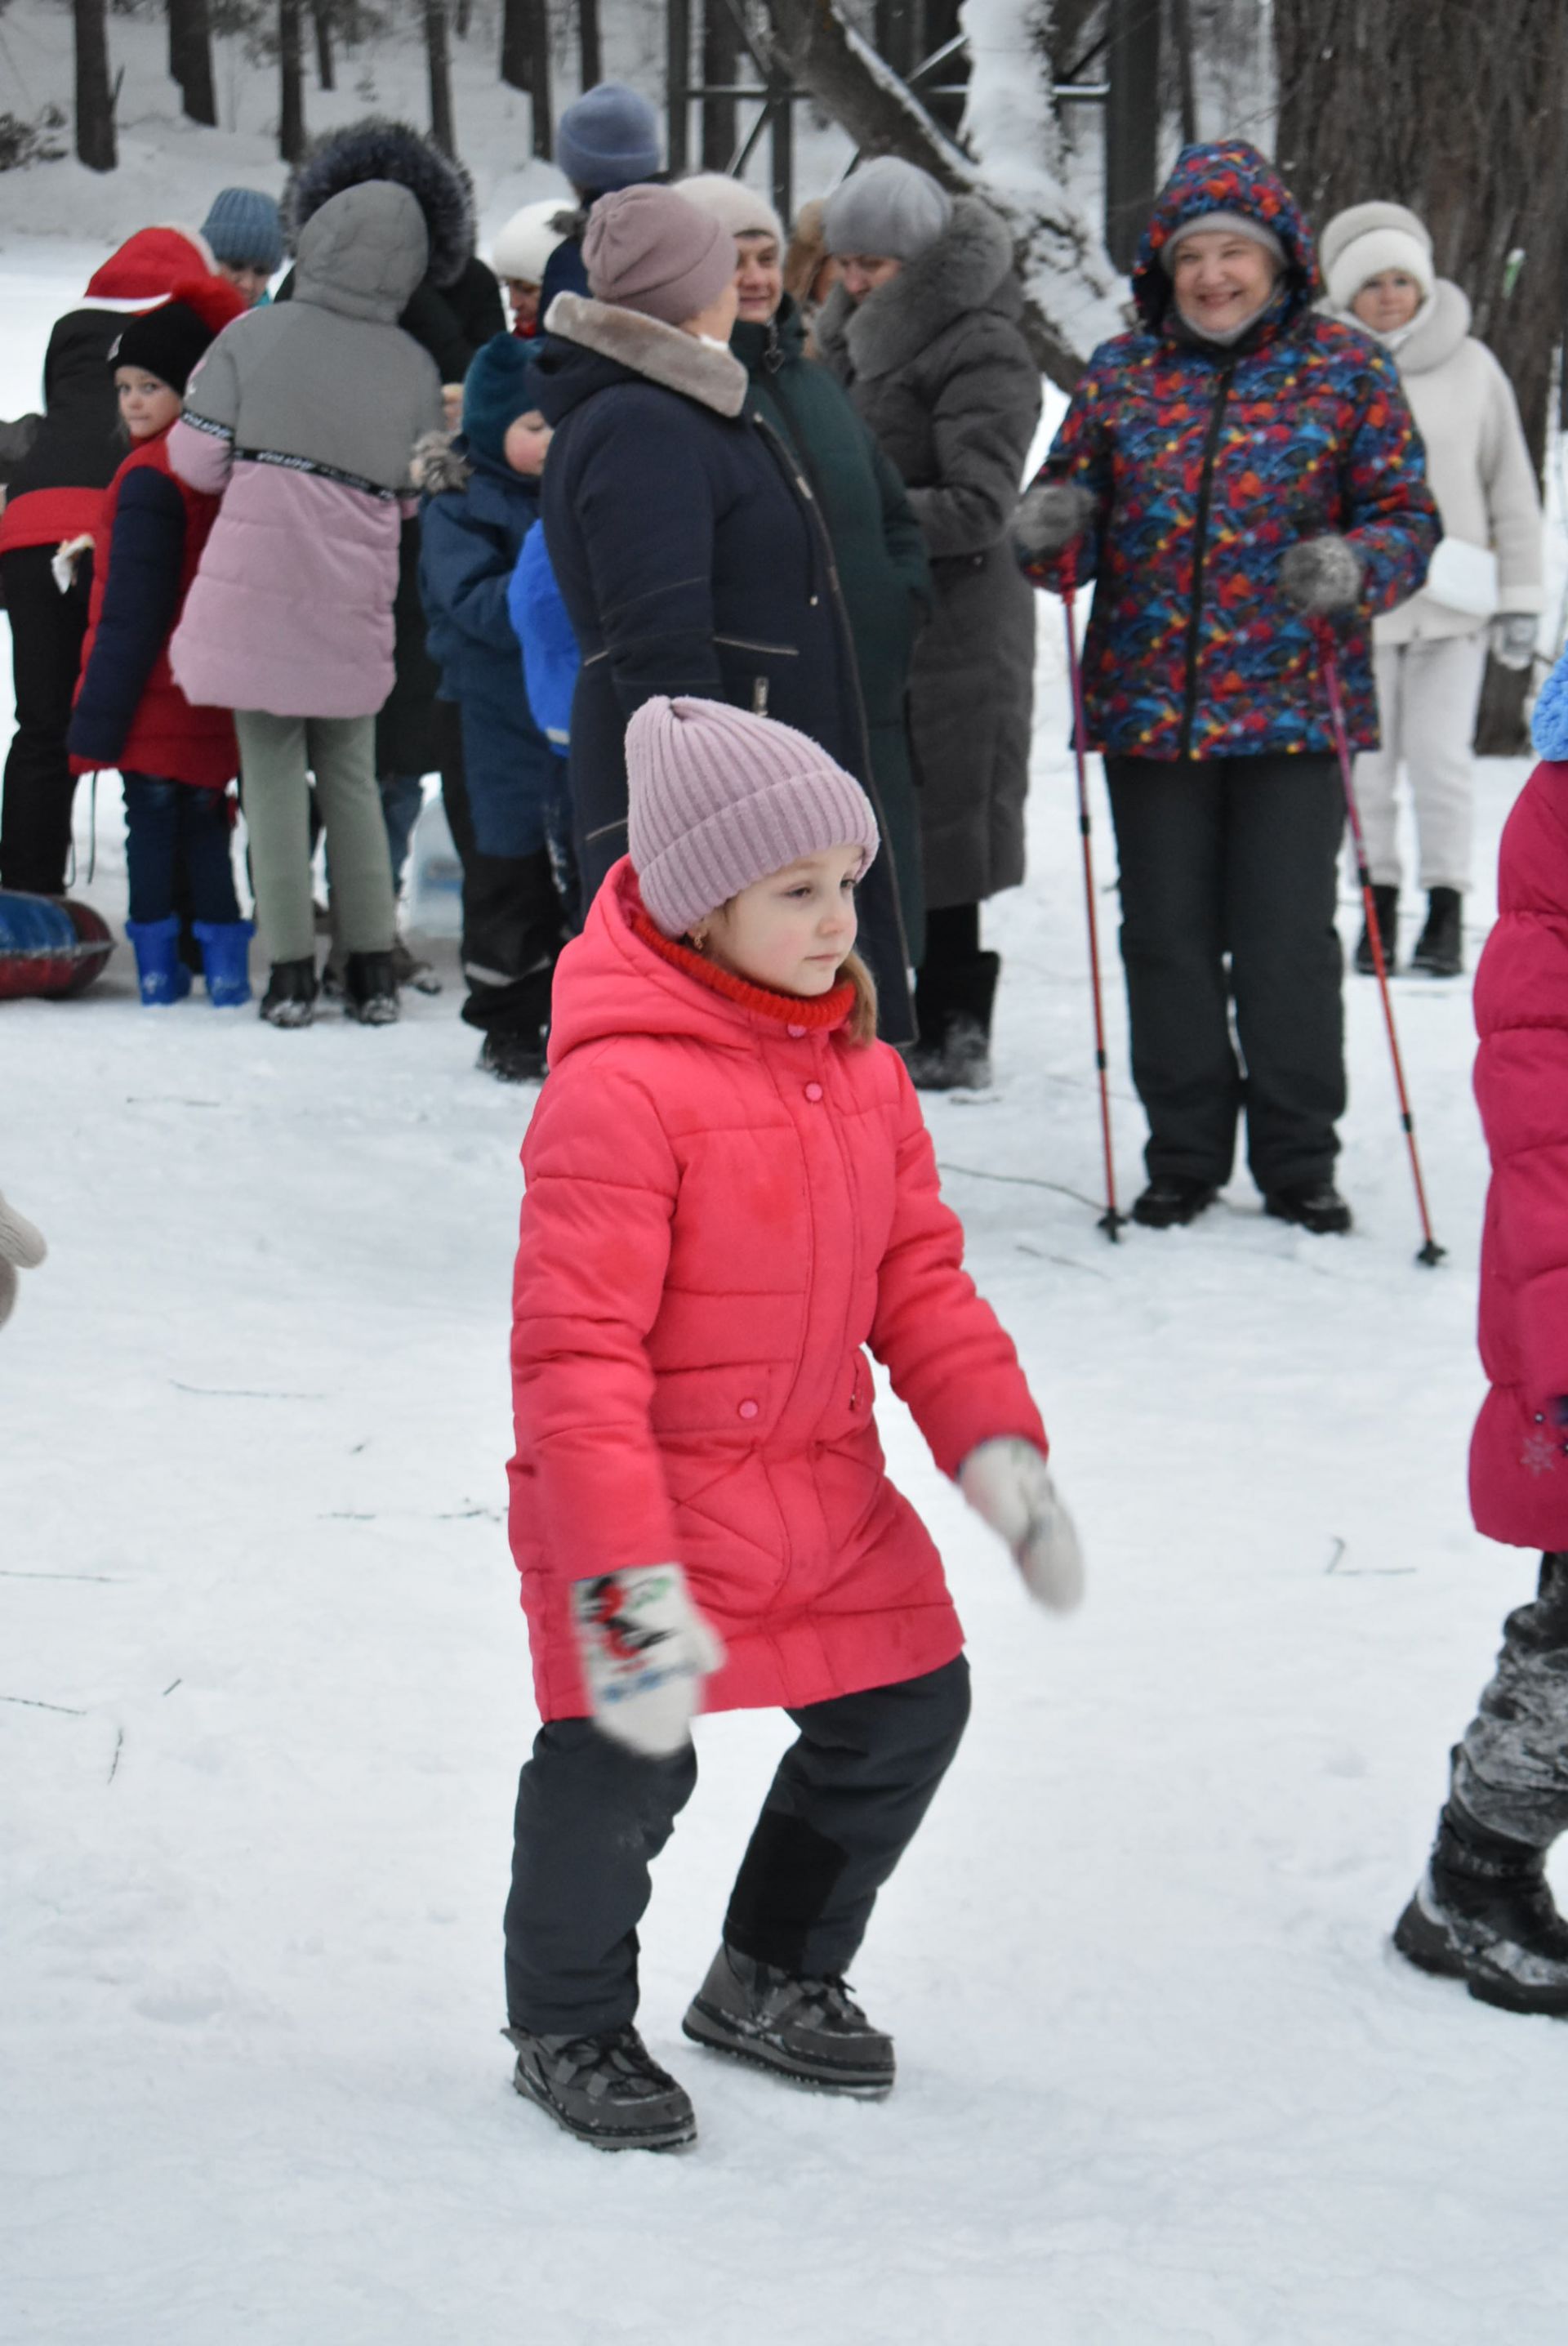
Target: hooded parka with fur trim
column 728, row 1202
column 936, row 363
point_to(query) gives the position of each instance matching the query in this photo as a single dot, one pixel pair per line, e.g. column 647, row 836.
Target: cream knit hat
column 719, row 799
column 1366, row 239
column 732, row 204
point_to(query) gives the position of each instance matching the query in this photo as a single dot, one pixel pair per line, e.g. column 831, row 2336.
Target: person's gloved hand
column 22, row 1248
column 1320, row 576
column 646, row 1650
column 1008, row 1482
column 1513, row 635
column 1049, row 516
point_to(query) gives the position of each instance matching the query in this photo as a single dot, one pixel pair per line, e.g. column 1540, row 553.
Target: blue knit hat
column 608, row 138
column 497, row 388
column 243, row 229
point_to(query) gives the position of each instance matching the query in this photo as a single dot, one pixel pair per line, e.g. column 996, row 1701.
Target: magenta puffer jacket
column 727, row 1203
column 1519, row 1455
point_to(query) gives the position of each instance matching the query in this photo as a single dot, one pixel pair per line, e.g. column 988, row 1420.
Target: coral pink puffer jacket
column 727, row 1201
column 1518, row 1458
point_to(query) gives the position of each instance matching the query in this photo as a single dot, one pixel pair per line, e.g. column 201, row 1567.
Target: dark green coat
column 879, row 553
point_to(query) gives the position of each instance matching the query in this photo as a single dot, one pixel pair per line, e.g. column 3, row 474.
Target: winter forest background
column 262, row 1680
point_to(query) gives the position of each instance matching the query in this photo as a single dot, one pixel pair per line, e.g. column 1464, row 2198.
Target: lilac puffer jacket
column 304, row 417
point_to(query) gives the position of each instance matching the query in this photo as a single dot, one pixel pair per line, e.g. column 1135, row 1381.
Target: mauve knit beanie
column 719, row 799
column 648, row 248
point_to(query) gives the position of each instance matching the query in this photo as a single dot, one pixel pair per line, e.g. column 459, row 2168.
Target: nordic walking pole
column 1431, row 1251
column 1110, row 1220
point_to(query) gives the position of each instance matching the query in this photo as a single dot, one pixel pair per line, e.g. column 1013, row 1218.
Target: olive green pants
column 277, row 756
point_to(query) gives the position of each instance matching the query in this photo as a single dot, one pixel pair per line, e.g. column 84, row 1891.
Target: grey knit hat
column 243, row 229
column 888, row 208
column 608, row 138
column 1230, row 224
column 719, row 799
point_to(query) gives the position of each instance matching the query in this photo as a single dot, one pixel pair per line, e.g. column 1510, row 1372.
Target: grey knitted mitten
column 20, row 1247
column 1052, row 514
column 1320, row 576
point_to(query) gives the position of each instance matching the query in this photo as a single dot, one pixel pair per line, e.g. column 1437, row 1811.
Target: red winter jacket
column 725, row 1202
column 129, row 712
column 1518, row 1461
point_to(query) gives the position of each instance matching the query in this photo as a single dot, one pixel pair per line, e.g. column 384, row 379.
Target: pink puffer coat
column 1519, row 1456
column 725, row 1202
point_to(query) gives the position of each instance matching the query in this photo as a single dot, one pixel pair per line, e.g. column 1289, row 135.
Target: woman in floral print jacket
column 1232, row 473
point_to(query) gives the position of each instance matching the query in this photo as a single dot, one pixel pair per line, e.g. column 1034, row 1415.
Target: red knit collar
column 816, row 1011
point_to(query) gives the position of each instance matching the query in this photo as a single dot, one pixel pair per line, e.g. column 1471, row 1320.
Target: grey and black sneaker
column 606, row 2090
column 812, row 2030
column 1482, row 1914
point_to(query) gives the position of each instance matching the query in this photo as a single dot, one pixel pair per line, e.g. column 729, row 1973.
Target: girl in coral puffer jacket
column 730, row 1194
column 1484, row 1912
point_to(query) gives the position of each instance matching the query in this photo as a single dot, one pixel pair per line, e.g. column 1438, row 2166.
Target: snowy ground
column 265, row 1687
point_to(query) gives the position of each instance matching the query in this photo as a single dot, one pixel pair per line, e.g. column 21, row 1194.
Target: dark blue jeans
column 173, row 827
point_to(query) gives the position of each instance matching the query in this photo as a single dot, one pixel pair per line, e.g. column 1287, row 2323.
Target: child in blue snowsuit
column 510, row 821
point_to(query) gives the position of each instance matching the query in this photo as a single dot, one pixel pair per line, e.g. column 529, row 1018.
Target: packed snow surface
column 266, row 1688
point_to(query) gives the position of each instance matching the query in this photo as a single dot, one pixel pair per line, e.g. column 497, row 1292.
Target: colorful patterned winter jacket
column 1519, row 1452
column 1206, row 463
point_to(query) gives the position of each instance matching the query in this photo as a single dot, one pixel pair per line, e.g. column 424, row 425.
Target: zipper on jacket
column 1200, row 532
column 785, row 456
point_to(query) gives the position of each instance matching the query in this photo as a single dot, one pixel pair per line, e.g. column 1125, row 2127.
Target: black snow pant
column 47, row 630
column 847, row 1801
column 1510, row 1769
column 514, row 917
column 1233, row 858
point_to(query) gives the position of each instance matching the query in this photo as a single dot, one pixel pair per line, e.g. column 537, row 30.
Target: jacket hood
column 380, row 149
column 1227, row 176
column 149, row 265
column 1436, row 337
column 621, row 345
column 610, row 981
column 968, row 269
column 363, row 253
column 444, row 461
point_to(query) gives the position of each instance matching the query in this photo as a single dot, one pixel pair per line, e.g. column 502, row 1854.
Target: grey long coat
column 936, row 364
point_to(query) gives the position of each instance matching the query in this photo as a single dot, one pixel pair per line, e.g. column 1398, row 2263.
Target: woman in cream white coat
column 1483, row 589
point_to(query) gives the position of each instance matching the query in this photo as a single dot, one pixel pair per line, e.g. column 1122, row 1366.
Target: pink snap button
column 813, row 1091
column 749, row 1408
column 794, row 1033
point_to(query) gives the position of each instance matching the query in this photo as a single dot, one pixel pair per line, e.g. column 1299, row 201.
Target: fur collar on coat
column 379, row 148
column 967, row 268
column 664, row 354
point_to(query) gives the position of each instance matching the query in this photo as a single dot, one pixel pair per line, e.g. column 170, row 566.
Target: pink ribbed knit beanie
column 648, row 248
column 720, row 799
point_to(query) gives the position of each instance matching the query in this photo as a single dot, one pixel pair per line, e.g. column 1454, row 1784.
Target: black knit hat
column 170, row 340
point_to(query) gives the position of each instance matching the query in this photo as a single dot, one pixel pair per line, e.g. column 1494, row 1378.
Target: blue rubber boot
column 225, row 960
column 161, row 974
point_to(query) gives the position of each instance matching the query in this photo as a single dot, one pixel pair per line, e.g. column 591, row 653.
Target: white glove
column 1008, row 1482
column 1513, row 635
column 646, row 1650
column 20, row 1247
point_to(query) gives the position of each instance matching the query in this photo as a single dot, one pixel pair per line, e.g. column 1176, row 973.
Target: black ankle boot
column 1482, row 1914
column 953, row 1006
column 290, row 997
column 1385, row 905
column 369, row 989
column 1440, row 948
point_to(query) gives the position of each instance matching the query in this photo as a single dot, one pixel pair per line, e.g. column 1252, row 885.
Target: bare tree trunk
column 589, row 66
column 438, row 57
column 1061, row 258
column 190, row 58
column 462, row 18
column 1457, row 115
column 95, row 101
column 326, row 64
column 525, row 63
column 290, row 84
column 720, row 65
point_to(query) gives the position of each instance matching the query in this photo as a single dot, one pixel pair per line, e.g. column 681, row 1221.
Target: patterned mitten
column 646, row 1650
column 1007, row 1481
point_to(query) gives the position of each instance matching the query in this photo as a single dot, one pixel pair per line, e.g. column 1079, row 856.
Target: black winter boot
column 1172, row 1200
column 1440, row 948
column 1482, row 1914
column 606, row 2090
column 369, row 989
column 290, row 997
column 1385, row 905
column 810, row 2030
column 953, row 1006
column 513, row 1058
column 1317, row 1206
